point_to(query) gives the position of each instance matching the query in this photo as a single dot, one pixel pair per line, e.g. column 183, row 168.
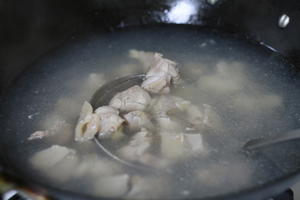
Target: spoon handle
column 260, row 142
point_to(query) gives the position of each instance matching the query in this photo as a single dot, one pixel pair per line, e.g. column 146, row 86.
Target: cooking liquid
column 248, row 85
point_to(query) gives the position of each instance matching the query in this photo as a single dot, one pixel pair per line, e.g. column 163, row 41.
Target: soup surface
column 249, row 87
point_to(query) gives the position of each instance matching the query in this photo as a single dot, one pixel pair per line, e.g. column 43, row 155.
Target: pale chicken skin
column 104, row 121
column 137, row 120
column 110, row 121
column 88, row 124
column 138, row 146
column 162, row 74
column 134, row 98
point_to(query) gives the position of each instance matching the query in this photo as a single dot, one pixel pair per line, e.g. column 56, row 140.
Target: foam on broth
column 247, row 85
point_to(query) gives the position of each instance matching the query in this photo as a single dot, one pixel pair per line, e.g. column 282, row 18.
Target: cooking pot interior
column 37, row 29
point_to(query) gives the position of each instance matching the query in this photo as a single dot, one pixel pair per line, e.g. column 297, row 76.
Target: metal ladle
column 261, row 142
column 105, row 93
column 102, row 97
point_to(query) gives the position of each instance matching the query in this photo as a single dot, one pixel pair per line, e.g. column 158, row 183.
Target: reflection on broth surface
column 230, row 91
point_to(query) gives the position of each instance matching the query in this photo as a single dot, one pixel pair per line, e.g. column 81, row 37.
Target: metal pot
column 32, row 28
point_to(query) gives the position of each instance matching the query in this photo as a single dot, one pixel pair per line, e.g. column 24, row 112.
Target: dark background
column 31, row 28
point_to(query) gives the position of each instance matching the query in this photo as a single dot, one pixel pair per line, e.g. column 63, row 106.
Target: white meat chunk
column 137, row 120
column 112, row 186
column 167, row 104
column 168, row 124
column 110, row 121
column 179, row 145
column 38, row 135
column 92, row 166
column 134, row 98
column 173, row 145
column 195, row 143
column 57, row 162
column 203, row 117
column 88, row 124
column 148, row 187
column 162, row 73
column 138, row 146
column 55, row 129
column 54, row 123
column 50, row 156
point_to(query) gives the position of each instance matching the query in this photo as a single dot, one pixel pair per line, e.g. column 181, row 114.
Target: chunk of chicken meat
column 137, row 120
column 151, row 187
column 88, row 124
column 162, row 73
column 38, row 135
column 112, row 186
column 138, row 146
column 57, row 162
column 166, row 123
column 179, row 145
column 166, row 104
column 203, row 117
column 173, row 146
column 195, row 144
column 200, row 117
column 134, row 98
column 110, row 121
column 92, row 166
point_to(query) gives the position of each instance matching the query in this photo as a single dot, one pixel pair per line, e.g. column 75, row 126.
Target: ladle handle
column 283, row 137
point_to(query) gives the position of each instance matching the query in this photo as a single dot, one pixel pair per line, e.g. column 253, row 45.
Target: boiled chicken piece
column 110, row 121
column 167, row 104
column 92, row 166
column 162, row 73
column 138, row 146
column 112, row 186
column 137, row 120
column 168, row 124
column 178, row 145
column 88, row 124
column 134, row 98
column 203, row 117
column 49, row 157
column 173, row 146
column 38, row 135
column 57, row 162
column 148, row 187
column 55, row 129
column 195, row 144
